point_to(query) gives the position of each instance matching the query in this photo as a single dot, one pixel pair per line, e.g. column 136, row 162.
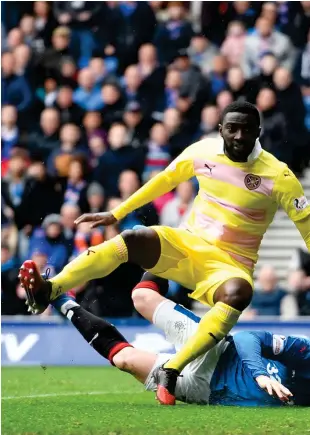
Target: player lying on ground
column 240, row 189
column 247, row 369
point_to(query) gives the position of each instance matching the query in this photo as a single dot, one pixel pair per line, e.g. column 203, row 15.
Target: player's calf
column 99, row 333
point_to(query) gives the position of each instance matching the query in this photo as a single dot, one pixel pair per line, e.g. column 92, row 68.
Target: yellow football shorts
column 195, row 263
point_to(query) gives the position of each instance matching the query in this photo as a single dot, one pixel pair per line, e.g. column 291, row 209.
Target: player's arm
column 181, row 169
column 289, row 194
column 251, row 346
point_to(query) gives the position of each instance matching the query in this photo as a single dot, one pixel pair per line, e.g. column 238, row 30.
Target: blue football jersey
column 233, row 383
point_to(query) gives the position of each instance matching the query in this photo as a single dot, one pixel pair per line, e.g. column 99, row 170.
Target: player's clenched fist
column 97, row 219
column 274, row 388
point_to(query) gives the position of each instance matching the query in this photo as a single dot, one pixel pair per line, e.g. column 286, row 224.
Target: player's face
column 239, row 132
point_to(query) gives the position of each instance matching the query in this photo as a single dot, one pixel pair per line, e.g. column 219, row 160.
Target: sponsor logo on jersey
column 301, row 203
column 278, row 344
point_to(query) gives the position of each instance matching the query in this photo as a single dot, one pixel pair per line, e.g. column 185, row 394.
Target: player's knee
column 123, row 360
column 237, row 293
column 141, row 298
column 143, row 246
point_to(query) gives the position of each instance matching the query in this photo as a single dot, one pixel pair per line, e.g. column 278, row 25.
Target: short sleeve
column 289, row 194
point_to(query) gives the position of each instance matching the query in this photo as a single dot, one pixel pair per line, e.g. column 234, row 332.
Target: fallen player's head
column 240, row 127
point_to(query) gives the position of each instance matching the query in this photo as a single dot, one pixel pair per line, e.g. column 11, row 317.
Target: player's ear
column 259, row 131
column 220, row 129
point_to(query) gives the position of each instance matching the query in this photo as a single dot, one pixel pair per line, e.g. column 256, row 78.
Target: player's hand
column 97, row 219
column 274, row 388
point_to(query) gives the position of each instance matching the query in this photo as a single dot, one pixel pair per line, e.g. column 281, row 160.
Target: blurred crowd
column 97, row 97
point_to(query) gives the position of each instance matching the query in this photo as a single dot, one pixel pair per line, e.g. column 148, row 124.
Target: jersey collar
column 254, row 154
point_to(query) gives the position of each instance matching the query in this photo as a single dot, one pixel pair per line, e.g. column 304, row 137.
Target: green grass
column 118, row 406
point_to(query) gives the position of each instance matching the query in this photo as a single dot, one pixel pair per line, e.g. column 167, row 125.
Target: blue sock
column 63, row 303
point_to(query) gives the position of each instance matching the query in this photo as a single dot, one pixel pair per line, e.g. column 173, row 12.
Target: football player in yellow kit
column 240, row 188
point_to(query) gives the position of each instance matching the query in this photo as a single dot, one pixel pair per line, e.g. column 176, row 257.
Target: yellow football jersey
column 236, row 202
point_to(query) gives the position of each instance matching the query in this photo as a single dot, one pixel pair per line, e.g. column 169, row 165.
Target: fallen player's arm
column 251, row 346
column 289, row 194
column 181, row 169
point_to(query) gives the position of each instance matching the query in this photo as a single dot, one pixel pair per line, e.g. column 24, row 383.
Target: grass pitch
column 93, row 401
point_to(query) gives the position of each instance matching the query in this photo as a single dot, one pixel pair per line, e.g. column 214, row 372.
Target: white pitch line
column 76, row 393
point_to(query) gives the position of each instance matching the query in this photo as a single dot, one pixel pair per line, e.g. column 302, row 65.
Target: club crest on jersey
column 252, row 181
column 300, row 203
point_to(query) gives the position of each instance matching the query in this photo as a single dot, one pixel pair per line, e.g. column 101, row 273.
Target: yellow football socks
column 212, row 328
column 97, row 262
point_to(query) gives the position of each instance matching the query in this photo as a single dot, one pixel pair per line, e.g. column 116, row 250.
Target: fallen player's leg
column 106, row 339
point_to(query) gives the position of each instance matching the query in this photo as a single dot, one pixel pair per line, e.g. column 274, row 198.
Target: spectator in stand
column 85, row 237
column 131, row 83
column 15, row 89
column 178, row 132
column 92, row 124
column 69, row 111
column 9, row 130
column 268, row 64
column 267, row 39
column 50, row 240
column 291, row 104
column 14, row 39
column 47, row 94
column 68, row 73
column 233, row 45
column 210, row 120
column 223, row 99
column 268, row 296
column 119, row 157
column 97, row 146
column 218, row 75
column 132, row 24
column 23, row 62
column 173, row 85
column 13, row 184
column 87, row 95
column 11, row 304
column 128, row 184
column 158, row 156
column 70, row 146
column 95, row 198
column 69, row 213
column 113, row 104
column 99, row 70
column 177, row 210
column 152, row 75
column 173, row 35
column 294, row 21
column 299, row 279
column 42, row 142
column 50, row 62
column 76, row 186
column 241, row 88
column 194, row 89
column 303, row 79
column 137, row 125
column 44, row 23
column 81, row 17
column 245, row 11
column 42, row 196
column 299, row 283
column 274, row 130
column 202, row 52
